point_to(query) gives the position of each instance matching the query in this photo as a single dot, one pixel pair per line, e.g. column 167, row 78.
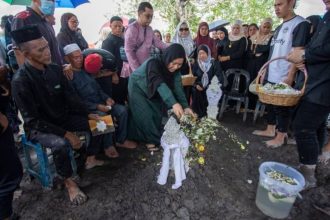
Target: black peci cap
column 26, row 34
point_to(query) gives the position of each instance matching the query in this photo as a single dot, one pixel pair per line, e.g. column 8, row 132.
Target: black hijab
column 73, row 36
column 222, row 43
column 157, row 71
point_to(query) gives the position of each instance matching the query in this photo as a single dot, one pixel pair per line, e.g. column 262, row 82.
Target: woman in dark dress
column 232, row 55
column 223, row 40
column 69, row 33
column 257, row 54
column 204, row 69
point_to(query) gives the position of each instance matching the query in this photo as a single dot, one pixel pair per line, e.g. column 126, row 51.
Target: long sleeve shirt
column 45, row 99
column 138, row 44
column 317, row 55
column 88, row 89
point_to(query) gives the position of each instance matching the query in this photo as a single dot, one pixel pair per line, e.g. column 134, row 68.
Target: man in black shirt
column 314, row 107
column 114, row 43
column 52, row 113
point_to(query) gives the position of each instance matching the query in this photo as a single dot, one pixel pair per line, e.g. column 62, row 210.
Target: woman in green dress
column 157, row 80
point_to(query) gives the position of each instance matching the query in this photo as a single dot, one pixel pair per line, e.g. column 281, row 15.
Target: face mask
column 47, row 7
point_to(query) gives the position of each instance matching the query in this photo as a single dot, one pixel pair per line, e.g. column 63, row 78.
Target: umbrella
column 217, row 24
column 59, row 3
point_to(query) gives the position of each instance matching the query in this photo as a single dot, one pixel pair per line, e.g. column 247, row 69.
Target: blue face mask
column 47, row 7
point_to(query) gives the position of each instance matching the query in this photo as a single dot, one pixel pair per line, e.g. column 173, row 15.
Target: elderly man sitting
column 96, row 99
column 52, row 113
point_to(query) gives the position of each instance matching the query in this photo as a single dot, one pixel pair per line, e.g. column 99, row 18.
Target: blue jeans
column 309, row 127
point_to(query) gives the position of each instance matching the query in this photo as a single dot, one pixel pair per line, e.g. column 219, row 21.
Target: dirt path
column 126, row 188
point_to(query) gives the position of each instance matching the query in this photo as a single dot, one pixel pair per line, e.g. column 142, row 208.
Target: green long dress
column 146, row 114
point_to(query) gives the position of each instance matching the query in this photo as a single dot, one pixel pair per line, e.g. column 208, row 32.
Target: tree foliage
column 249, row 11
column 194, row 11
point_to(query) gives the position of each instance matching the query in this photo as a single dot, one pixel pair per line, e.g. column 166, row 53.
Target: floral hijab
column 187, row 42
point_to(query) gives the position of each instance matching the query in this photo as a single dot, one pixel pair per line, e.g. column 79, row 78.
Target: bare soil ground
column 126, row 188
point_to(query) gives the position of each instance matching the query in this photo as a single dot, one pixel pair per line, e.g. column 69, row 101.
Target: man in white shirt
column 292, row 34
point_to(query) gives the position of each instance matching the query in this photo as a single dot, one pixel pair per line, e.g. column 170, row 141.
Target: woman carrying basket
column 292, row 34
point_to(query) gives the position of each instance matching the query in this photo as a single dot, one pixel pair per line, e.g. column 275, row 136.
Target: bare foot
column 278, row 141
column 92, row 162
column 127, row 144
column 111, row 152
column 269, row 132
column 77, row 197
column 152, row 147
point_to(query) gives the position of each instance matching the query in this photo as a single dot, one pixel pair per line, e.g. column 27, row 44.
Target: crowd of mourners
column 56, row 83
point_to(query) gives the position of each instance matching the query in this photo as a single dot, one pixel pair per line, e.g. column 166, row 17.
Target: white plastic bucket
column 275, row 198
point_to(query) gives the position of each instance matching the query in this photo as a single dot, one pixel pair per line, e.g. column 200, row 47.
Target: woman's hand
column 178, row 110
column 188, row 111
column 199, row 88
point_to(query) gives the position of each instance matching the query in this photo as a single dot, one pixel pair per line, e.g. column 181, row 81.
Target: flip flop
column 79, row 199
column 152, row 148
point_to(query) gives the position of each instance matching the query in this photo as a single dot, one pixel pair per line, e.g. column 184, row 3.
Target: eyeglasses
column 184, row 29
column 74, row 22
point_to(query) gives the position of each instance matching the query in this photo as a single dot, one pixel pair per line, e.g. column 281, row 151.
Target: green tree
column 249, row 11
column 174, row 11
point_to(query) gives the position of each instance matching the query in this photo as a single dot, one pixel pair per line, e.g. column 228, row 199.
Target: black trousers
column 279, row 116
column 120, row 91
column 11, row 172
column 60, row 146
column 309, row 126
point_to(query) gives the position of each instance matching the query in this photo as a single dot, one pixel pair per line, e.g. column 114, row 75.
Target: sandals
column 152, row 147
column 79, row 199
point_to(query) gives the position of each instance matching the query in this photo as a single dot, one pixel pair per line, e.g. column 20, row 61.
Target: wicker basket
column 188, row 80
column 278, row 99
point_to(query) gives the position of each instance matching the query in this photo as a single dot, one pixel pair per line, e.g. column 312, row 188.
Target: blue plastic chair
column 42, row 168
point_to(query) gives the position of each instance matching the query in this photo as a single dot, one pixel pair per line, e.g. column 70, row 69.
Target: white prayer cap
column 70, row 48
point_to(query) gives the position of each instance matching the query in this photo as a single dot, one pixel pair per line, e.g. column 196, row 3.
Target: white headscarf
column 237, row 37
column 205, row 65
column 186, row 42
